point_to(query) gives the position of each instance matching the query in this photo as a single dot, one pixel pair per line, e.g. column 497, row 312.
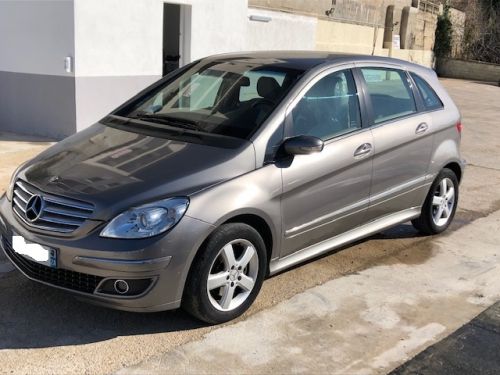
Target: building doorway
column 176, row 36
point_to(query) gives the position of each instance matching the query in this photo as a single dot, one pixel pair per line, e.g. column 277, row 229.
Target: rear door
column 402, row 137
column 326, row 193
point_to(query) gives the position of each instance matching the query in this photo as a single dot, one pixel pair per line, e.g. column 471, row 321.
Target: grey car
column 230, row 169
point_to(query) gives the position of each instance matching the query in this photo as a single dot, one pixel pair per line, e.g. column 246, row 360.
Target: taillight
column 459, row 127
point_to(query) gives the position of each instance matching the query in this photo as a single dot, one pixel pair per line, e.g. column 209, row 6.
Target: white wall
column 217, row 27
column 124, row 37
column 36, row 36
column 118, row 37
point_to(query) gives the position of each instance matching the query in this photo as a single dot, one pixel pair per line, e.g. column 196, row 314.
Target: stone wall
column 350, row 38
column 473, row 70
column 418, row 33
column 357, row 11
column 424, row 31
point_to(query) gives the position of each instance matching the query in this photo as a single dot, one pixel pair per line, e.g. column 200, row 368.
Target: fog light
column 125, row 288
column 121, row 287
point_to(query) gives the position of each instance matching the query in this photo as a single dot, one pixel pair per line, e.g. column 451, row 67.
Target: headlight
column 147, row 220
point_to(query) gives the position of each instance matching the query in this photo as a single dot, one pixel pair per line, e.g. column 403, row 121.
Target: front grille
column 77, row 281
column 58, row 214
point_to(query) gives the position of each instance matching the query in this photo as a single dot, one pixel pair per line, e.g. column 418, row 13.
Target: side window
column 431, row 100
column 329, row 108
column 390, row 93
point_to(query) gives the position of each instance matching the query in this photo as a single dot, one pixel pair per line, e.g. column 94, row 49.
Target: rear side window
column 390, row 93
column 431, row 100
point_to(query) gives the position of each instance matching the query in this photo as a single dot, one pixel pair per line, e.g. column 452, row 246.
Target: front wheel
column 440, row 205
column 227, row 274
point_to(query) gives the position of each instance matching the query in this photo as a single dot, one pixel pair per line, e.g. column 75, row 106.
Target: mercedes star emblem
column 34, row 208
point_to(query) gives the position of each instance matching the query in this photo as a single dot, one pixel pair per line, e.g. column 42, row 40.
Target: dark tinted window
column 431, row 100
column 329, row 108
column 390, row 93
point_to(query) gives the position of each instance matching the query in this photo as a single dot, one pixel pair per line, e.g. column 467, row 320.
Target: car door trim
column 407, row 187
column 362, row 231
column 327, row 219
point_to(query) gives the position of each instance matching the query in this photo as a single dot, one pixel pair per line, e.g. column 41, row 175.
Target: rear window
column 390, row 93
column 431, row 100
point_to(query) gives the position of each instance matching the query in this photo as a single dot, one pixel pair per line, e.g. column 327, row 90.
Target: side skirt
column 365, row 230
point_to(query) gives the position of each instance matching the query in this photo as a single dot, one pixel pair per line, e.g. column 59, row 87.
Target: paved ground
column 367, row 308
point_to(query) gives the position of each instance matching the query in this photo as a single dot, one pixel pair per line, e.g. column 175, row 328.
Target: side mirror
column 303, row 145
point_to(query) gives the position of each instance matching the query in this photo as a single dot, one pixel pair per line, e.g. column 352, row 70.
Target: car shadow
column 33, row 315
column 398, row 232
column 36, row 316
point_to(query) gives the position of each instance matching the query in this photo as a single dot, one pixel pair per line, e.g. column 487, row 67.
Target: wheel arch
column 251, row 218
column 456, row 168
column 261, row 226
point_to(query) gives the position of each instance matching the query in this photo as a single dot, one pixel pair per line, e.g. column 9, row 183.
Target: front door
column 326, row 193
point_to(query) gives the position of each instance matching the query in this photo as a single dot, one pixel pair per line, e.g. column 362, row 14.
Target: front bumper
column 86, row 262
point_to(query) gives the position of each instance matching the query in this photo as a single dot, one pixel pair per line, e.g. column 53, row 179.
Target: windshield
column 230, row 98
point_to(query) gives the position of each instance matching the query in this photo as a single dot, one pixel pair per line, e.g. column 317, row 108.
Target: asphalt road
column 45, row 331
column 472, row 349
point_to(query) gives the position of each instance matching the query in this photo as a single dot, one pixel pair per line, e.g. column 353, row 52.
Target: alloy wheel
column 232, row 275
column 443, row 202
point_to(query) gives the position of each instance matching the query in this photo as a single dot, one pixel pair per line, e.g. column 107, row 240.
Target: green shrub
column 444, row 34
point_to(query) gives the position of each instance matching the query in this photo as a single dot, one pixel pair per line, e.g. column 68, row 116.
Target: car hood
column 115, row 169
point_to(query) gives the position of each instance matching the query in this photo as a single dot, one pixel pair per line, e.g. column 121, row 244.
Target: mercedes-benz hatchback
column 230, row 169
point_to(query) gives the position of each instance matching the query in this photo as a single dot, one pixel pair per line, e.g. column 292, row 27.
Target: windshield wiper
column 169, row 120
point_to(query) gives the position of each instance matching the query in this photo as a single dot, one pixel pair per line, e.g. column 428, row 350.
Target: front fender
column 256, row 193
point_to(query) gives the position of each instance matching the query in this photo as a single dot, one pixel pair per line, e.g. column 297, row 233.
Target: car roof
column 306, row 60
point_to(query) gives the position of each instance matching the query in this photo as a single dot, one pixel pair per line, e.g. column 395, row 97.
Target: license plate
column 35, row 252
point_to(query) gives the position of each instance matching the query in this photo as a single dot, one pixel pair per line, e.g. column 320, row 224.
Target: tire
column 230, row 292
column 430, row 222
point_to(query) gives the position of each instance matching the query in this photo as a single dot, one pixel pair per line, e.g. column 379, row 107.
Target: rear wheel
column 227, row 275
column 440, row 205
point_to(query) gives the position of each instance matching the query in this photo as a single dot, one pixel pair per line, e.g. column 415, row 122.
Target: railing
column 355, row 11
column 429, row 6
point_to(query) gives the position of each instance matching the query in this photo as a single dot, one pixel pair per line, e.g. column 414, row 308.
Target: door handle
column 364, row 149
column 421, row 128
